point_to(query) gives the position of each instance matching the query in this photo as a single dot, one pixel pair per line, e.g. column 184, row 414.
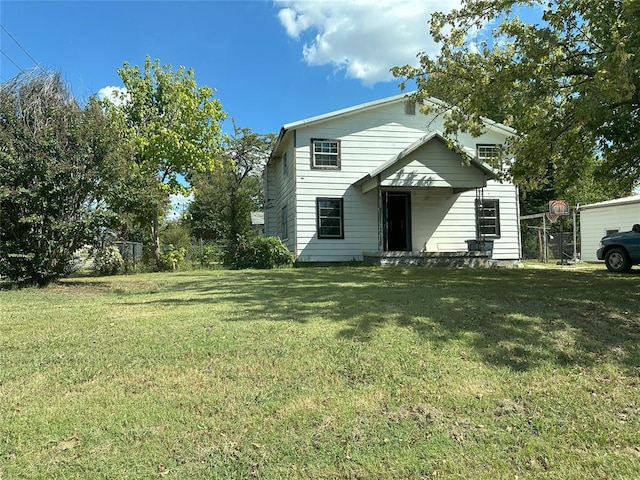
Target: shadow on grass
column 517, row 318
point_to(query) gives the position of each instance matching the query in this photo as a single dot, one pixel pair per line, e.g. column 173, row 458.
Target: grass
column 321, row 373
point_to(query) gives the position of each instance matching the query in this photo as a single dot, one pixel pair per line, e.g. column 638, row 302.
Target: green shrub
column 172, row 256
column 210, row 256
column 108, row 261
column 259, row 252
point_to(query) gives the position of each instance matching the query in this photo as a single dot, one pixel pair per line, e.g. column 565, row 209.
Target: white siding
column 442, row 221
column 370, row 138
column 594, row 223
column 279, row 192
column 432, row 165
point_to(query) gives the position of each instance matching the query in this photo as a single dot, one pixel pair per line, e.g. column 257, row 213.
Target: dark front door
column 397, row 221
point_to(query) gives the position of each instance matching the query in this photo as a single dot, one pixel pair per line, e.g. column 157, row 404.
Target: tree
column 569, row 85
column 225, row 197
column 174, row 127
column 55, row 162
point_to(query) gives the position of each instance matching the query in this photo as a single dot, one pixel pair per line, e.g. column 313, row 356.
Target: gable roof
column 377, row 175
column 288, row 127
column 486, row 168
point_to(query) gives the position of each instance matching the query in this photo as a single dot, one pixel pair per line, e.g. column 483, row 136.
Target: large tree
column 56, row 163
column 225, row 197
column 174, row 127
column 569, row 84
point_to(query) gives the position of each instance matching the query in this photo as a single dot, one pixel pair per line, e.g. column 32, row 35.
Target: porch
column 430, row 259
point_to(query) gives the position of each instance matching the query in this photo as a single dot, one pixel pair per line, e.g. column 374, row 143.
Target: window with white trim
column 488, row 217
column 330, row 218
column 490, row 153
column 325, row 153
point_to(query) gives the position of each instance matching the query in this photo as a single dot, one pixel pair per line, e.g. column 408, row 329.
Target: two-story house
column 379, row 177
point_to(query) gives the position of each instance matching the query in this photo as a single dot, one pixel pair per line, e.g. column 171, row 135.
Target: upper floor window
column 488, row 217
column 285, row 165
column 325, row 153
column 490, row 153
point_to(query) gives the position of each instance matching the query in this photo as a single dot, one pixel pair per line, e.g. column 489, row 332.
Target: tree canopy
column 568, row 84
column 225, row 196
column 56, row 160
column 174, row 127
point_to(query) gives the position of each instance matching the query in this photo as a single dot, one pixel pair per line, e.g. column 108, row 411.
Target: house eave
column 288, row 127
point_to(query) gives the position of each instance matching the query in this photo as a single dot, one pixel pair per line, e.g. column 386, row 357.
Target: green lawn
column 350, row 372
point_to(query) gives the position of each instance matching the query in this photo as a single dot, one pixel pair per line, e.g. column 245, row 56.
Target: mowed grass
column 349, row 372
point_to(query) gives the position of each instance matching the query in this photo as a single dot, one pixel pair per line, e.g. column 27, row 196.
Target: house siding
column 279, row 192
column 433, row 165
column 368, row 139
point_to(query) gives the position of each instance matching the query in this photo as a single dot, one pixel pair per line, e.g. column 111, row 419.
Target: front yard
column 350, row 372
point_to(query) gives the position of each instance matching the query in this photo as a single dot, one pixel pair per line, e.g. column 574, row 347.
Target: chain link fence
column 550, row 241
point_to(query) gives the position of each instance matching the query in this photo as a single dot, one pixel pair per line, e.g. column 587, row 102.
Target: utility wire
column 21, row 47
column 11, row 60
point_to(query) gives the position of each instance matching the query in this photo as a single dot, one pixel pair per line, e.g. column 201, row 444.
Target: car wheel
column 617, row 260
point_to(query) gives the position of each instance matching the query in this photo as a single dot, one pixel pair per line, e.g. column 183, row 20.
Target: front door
column 397, row 219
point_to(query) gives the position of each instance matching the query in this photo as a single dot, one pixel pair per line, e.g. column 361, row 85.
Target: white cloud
column 117, row 95
column 362, row 38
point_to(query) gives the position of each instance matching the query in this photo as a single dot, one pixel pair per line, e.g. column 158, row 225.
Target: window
column 330, row 217
column 285, row 165
column 611, row 232
column 409, row 108
column 285, row 224
column 488, row 217
column 489, row 153
column 325, row 153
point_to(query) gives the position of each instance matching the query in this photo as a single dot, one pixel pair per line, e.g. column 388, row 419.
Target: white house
column 379, row 177
column 604, row 218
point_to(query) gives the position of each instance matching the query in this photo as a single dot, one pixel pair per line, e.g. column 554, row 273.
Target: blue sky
column 271, row 61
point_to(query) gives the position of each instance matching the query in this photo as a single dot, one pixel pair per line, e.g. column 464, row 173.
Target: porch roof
column 429, row 162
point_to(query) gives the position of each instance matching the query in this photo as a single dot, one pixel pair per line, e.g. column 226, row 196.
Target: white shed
column 604, row 218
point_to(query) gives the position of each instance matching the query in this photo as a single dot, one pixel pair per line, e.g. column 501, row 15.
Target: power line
column 21, row 47
column 11, row 60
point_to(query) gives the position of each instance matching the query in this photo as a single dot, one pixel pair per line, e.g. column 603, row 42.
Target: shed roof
column 610, row 203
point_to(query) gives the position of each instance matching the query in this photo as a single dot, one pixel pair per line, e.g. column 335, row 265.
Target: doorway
column 397, row 221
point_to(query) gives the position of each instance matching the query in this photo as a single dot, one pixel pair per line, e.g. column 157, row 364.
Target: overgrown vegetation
column 324, row 373
column 107, row 260
column 253, row 251
column 225, row 197
column 55, row 159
